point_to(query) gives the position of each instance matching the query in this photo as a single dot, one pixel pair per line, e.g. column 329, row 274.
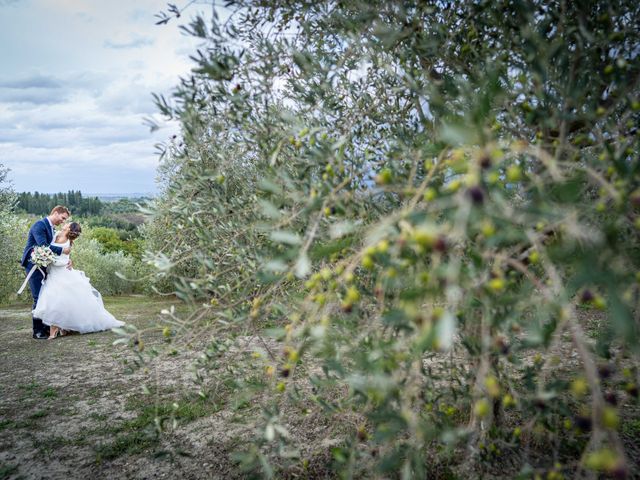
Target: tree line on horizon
column 41, row 203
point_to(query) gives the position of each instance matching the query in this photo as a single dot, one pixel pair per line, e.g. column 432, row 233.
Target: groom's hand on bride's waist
column 69, row 265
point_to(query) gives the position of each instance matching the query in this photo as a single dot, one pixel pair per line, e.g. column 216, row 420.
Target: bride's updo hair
column 74, row 231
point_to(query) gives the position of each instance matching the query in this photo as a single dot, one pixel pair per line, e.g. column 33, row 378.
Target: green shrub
column 105, row 270
column 112, row 240
column 119, row 221
column 13, row 231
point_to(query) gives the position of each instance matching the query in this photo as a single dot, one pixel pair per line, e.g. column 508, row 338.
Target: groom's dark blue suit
column 40, row 234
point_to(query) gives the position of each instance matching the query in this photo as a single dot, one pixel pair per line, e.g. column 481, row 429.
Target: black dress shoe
column 40, row 336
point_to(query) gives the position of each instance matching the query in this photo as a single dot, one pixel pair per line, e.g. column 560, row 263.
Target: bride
column 67, row 300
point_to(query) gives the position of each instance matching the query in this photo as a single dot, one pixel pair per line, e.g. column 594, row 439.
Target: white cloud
column 75, row 87
column 135, row 41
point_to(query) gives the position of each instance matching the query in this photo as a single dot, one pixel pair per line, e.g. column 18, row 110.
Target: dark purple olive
column 583, row 423
column 476, row 194
column 587, row 296
column 441, row 244
column 611, row 398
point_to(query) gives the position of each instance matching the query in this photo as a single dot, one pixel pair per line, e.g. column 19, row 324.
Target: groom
column 42, row 234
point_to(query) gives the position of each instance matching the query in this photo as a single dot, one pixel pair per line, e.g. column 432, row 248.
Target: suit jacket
column 40, row 234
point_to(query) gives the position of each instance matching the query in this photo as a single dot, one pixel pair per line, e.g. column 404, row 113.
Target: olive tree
column 421, row 198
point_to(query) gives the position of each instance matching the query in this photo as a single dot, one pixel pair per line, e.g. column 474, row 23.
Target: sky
column 76, row 79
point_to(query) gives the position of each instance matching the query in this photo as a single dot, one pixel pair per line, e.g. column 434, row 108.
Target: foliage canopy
column 384, row 183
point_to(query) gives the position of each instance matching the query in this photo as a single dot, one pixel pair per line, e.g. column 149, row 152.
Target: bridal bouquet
column 41, row 257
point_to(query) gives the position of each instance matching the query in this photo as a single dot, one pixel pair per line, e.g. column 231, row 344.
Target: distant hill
column 114, row 197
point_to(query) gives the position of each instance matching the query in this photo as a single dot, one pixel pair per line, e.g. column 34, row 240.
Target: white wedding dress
column 67, row 300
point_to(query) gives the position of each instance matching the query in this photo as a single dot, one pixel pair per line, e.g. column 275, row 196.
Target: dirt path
column 70, row 409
